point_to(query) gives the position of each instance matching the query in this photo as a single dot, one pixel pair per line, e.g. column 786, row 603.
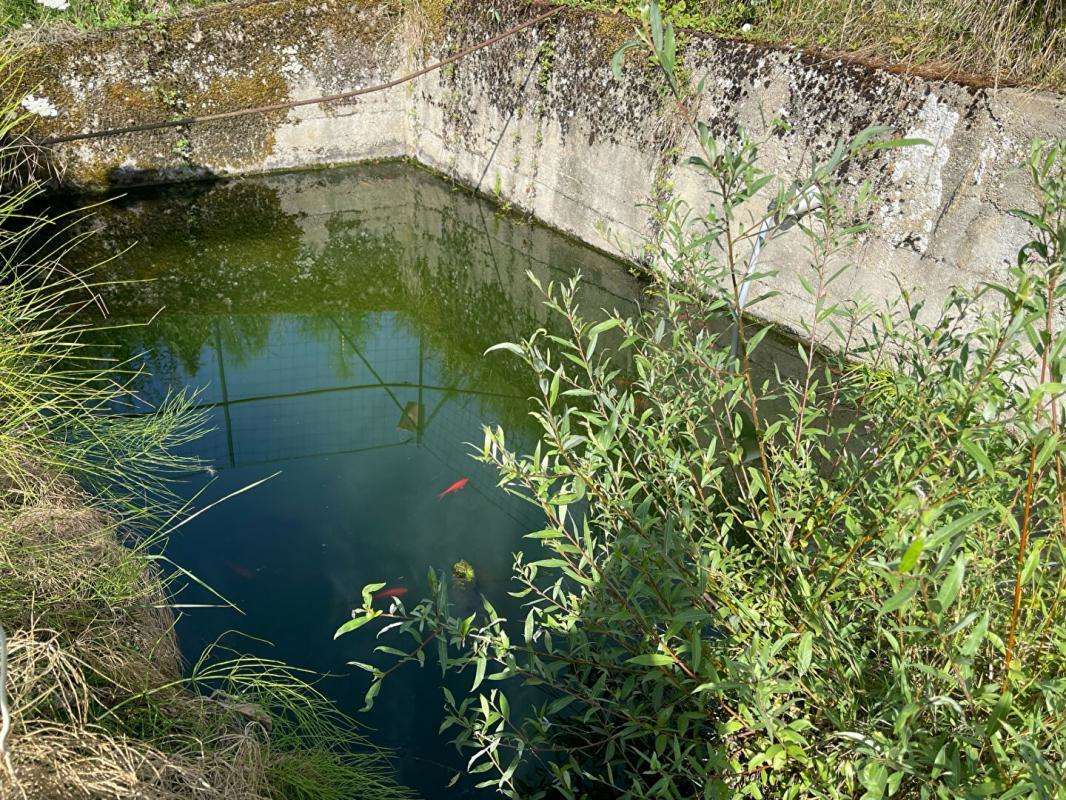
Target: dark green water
column 334, row 324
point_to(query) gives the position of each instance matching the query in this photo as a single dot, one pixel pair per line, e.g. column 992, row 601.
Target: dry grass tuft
column 61, row 761
column 1012, row 42
column 92, row 632
column 99, row 704
column 76, row 757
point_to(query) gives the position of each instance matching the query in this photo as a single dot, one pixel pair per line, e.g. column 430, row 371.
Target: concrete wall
column 540, row 122
column 236, row 57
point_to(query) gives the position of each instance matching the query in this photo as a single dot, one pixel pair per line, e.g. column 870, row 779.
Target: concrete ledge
column 540, row 123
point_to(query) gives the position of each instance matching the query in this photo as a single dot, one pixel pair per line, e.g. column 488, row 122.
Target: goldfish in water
column 237, row 569
column 455, row 487
column 394, row 591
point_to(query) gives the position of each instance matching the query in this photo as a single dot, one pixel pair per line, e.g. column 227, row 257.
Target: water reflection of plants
column 438, row 274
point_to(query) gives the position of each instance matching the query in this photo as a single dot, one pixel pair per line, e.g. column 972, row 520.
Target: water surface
column 334, row 325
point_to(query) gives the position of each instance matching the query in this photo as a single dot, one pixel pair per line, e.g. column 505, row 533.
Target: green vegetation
column 463, row 572
column 1014, row 41
column 88, row 14
column 839, row 583
column 98, row 704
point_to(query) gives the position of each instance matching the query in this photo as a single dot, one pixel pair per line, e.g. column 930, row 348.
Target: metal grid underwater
column 282, row 387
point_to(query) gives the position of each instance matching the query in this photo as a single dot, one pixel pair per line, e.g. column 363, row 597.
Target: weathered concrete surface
column 230, row 58
column 541, row 123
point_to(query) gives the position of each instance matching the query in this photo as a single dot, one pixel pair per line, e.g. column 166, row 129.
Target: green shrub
column 845, row 582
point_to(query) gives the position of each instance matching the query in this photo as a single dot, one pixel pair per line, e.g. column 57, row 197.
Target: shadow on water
column 334, row 324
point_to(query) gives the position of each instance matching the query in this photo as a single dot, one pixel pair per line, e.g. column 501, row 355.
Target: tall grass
column 88, row 14
column 1012, row 41
column 99, row 702
column 1004, row 41
column 56, row 389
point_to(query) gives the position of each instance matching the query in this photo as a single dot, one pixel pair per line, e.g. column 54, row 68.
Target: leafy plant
column 841, row 581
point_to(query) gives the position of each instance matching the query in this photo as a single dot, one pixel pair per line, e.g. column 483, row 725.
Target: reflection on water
column 334, row 324
column 291, row 386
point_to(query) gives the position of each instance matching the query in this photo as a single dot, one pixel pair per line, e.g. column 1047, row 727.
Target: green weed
column 843, row 580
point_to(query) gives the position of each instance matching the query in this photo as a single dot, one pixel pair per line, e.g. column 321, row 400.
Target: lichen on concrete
column 228, row 59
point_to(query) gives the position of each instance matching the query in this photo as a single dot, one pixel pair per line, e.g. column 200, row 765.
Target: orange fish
column 395, row 591
column 237, row 569
column 455, row 487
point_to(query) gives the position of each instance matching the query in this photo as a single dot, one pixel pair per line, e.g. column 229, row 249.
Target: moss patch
column 233, row 58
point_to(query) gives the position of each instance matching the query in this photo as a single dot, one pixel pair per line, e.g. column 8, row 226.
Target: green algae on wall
column 231, row 58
